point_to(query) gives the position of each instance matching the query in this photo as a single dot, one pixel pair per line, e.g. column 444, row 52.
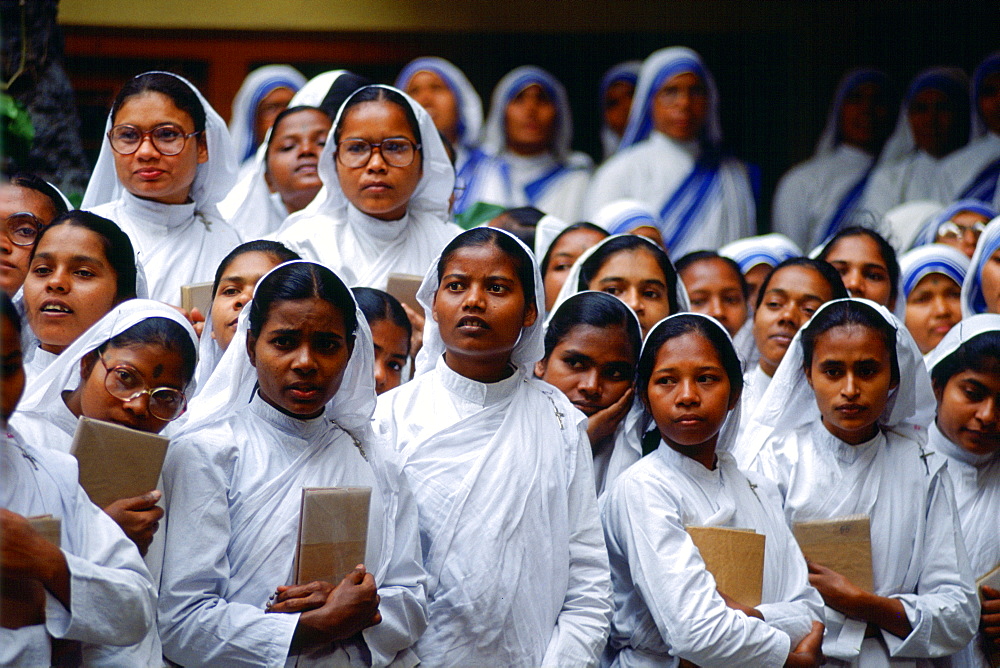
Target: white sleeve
column 584, row 622
column 197, row 625
column 944, row 613
column 645, row 526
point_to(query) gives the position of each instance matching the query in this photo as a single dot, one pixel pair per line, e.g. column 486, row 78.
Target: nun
column 263, row 95
column 615, row 93
column 981, row 289
column 931, row 278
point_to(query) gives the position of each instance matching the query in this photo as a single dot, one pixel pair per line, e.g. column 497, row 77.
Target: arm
column 844, row 596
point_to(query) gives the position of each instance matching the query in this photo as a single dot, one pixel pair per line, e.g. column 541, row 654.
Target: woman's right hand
column 602, row 424
column 809, row 652
column 139, row 517
column 351, row 607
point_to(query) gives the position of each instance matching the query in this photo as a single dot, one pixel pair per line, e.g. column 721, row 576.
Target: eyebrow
column 74, row 258
column 645, row 281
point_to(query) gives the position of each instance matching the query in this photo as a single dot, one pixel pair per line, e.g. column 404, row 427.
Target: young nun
column 82, row 265
column 671, row 158
column 500, row 465
column 633, row 269
column 757, row 256
column 27, row 205
column 454, row 105
column 933, row 122
column 932, row 277
column 668, row 608
column 527, row 139
column 288, row 407
column 562, row 252
column 264, row 94
column 715, row 287
column 591, row 348
column 965, row 371
column 843, row 429
column 384, row 205
column 283, row 178
column 391, row 334
column 958, row 225
column 981, row 289
column 166, row 162
column 867, row 264
column 972, row 172
column 615, row 94
column 817, row 197
column 84, row 599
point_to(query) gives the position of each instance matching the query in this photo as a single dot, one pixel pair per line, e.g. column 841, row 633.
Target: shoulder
column 549, row 395
column 212, row 446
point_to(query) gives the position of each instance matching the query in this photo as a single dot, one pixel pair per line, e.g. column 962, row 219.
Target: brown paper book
column 49, row 527
column 116, row 462
column 404, row 288
column 22, row 601
column 333, row 533
column 992, row 580
column 735, row 558
column 197, row 295
column 843, row 544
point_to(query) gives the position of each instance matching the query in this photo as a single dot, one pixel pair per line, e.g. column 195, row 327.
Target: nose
column 380, row 376
column 303, row 362
column 940, row 306
column 6, row 245
column 715, row 309
column 850, row 388
column 590, row 382
column 633, row 299
column 854, row 282
column 58, row 281
column 790, row 314
column 475, row 298
column 243, row 299
column 138, row 406
column 310, row 147
column 987, row 413
column 375, row 161
column 147, row 149
column 687, row 392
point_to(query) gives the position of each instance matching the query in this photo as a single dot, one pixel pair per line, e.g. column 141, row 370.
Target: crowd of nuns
column 595, row 362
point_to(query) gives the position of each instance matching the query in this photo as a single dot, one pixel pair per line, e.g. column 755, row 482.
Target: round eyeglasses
column 124, row 382
column 952, row 231
column 168, row 139
column 396, row 151
column 23, row 228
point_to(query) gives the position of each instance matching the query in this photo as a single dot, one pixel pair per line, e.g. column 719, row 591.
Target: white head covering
column 495, row 134
column 789, row 403
column 530, row 346
column 64, row 372
column 830, row 138
column 961, row 333
column 990, row 64
column 232, row 384
column 624, row 215
column 626, row 72
column 470, row 106
column 259, row 84
column 903, row 222
column 931, row 259
column 951, row 81
column 547, row 229
column 437, row 182
column 656, row 70
column 571, row 286
column 316, row 89
column 972, row 290
column 770, row 249
column 928, row 233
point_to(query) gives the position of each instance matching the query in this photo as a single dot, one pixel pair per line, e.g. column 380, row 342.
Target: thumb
column 143, row 501
column 196, row 315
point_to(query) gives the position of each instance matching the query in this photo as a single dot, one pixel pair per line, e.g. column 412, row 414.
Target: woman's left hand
column 603, row 423
column 837, row 591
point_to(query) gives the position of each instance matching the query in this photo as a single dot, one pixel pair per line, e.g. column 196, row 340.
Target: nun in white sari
column 666, row 604
column 627, row 74
column 553, row 180
column 918, row 557
column 982, row 294
column 702, row 197
column 364, row 250
column 233, row 481
column 177, row 244
column 976, row 477
column 508, row 516
column 246, row 105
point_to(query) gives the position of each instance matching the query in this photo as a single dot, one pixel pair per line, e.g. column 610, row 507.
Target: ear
column 202, row 149
column 938, row 392
column 87, row 363
column 735, row 399
column 540, row 367
column 252, row 349
column 434, row 311
column 530, row 315
column 268, row 179
column 809, row 375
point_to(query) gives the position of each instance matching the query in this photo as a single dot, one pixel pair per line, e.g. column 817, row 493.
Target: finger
column 376, row 618
column 141, row 502
column 196, row 315
column 991, row 592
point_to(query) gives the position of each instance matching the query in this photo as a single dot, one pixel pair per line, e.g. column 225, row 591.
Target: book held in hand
column 333, row 533
column 735, row 558
column 116, row 462
column 404, row 288
column 842, row 544
column 197, row 295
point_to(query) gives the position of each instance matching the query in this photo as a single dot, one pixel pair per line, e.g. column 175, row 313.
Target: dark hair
column 701, row 255
column 826, row 271
column 885, row 250
column 117, row 247
column 506, row 244
column 341, row 89
column 9, row 311
column 42, row 187
column 597, row 309
column 845, row 314
column 166, row 84
column 275, row 249
column 520, row 221
column 572, row 228
column 157, row 331
column 689, row 323
column 981, row 353
column 381, row 94
column 377, row 305
column 630, row 242
column 302, row 280
column 285, row 113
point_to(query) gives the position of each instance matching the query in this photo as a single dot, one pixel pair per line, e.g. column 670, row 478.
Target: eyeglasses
column 396, row 151
column 168, row 139
column 124, row 382
column 23, row 228
column 952, row 231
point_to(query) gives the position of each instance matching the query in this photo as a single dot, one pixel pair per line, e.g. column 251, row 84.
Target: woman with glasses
column 959, row 225
column 981, row 289
column 27, row 204
column 384, row 205
column 167, row 161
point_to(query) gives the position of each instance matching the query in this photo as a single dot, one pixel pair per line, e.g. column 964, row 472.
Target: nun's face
column 933, row 308
column 858, row 260
column 564, row 253
column 530, row 121
column 235, row 291
column 636, row 278
column 991, row 282
column 714, row 289
column 434, row 95
column 864, row 116
column 147, row 173
column 377, row 188
column 970, row 228
column 680, row 107
column 933, row 118
column 12, row 376
column 13, row 257
column 791, row 297
column 989, row 102
column 969, row 410
column 293, row 157
column 268, row 109
column 617, row 104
